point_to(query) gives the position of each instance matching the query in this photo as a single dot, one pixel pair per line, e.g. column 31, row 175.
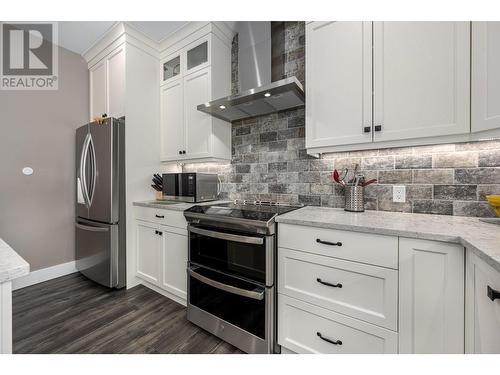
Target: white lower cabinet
column 174, row 262
column 346, row 292
column 482, row 307
column 359, row 290
column 306, row 328
column 148, row 251
column 162, row 251
column 431, row 297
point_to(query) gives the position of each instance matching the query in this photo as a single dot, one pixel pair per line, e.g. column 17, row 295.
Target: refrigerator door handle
column 83, row 166
column 91, row 229
column 94, row 170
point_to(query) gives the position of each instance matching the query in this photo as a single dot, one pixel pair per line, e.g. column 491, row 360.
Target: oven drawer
column 369, row 293
column 233, row 300
column 367, row 248
column 164, row 217
column 305, row 328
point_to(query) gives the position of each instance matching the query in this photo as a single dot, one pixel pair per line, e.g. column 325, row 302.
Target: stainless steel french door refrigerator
column 100, row 202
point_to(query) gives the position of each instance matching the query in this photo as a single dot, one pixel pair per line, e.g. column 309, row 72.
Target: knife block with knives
column 158, row 186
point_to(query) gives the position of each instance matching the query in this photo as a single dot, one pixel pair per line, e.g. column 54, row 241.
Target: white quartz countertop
column 12, row 265
column 178, row 206
column 482, row 238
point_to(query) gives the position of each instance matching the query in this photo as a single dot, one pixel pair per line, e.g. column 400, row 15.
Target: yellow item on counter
column 494, row 201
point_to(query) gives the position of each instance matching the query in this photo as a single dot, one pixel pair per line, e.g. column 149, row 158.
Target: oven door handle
column 227, row 236
column 227, row 288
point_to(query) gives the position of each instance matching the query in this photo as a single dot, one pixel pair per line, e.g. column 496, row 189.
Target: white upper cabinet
column 98, row 85
column 107, row 85
column 195, row 70
column 198, row 129
column 431, row 297
column 172, row 120
column 396, row 84
column 116, row 83
column 339, row 83
column 421, row 79
column 485, row 76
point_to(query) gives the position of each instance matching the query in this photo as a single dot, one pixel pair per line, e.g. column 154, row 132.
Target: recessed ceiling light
column 267, row 94
column 222, row 107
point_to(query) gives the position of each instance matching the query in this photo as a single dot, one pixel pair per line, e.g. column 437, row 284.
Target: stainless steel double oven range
column 232, row 272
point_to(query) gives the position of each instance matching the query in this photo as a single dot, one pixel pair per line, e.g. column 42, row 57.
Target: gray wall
column 270, row 162
column 37, row 129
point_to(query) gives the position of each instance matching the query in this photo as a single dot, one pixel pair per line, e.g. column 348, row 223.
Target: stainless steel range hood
column 274, row 97
column 258, row 95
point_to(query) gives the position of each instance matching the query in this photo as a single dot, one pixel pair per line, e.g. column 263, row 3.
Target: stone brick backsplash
column 270, row 162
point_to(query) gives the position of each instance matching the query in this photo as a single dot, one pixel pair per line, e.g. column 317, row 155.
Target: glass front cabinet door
column 197, row 56
column 172, row 68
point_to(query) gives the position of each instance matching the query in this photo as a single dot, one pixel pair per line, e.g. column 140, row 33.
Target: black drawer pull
column 334, row 342
column 378, row 128
column 367, row 129
column 160, row 216
column 338, row 285
column 492, row 293
column 160, row 233
column 328, row 242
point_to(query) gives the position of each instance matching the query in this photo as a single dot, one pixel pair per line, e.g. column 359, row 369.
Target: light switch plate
column 399, row 194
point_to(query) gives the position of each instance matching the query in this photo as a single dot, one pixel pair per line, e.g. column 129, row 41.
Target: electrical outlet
column 399, row 194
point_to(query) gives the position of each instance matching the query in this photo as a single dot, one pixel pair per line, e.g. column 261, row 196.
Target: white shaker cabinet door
column 339, row 83
column 482, row 307
column 148, row 252
column 431, row 297
column 172, row 121
column 116, row 83
column 198, row 125
column 485, row 76
column 421, row 79
column 98, row 89
column 174, row 262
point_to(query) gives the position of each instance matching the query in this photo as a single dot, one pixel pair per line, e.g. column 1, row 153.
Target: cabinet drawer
column 359, row 247
column 300, row 325
column 369, row 293
column 164, row 217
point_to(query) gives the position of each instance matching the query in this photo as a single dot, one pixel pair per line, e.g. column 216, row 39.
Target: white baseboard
column 45, row 274
column 173, row 297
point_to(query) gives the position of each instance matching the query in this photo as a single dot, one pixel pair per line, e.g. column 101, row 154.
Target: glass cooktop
column 248, row 211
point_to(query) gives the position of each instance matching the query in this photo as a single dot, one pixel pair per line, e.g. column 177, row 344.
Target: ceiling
column 78, row 36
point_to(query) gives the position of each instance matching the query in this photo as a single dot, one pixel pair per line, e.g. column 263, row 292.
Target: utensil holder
column 354, row 198
column 159, row 195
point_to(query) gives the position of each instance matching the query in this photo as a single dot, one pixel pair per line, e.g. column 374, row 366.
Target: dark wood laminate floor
column 72, row 314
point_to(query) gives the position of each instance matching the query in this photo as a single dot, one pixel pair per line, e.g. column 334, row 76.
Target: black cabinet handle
column 160, row 216
column 156, row 232
column 378, row 128
column 367, row 129
column 328, row 242
column 492, row 293
column 184, row 151
column 338, row 285
column 180, row 152
column 160, row 233
column 334, row 342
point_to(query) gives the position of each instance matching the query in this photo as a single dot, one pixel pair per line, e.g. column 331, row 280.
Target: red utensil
column 336, row 178
column 369, row 182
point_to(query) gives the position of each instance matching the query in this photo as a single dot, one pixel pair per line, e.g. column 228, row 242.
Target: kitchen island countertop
column 12, row 265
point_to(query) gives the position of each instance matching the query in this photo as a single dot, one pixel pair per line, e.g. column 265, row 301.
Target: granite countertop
column 482, row 238
column 12, row 265
column 180, row 206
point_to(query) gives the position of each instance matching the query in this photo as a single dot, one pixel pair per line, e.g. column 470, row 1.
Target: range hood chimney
column 263, row 88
